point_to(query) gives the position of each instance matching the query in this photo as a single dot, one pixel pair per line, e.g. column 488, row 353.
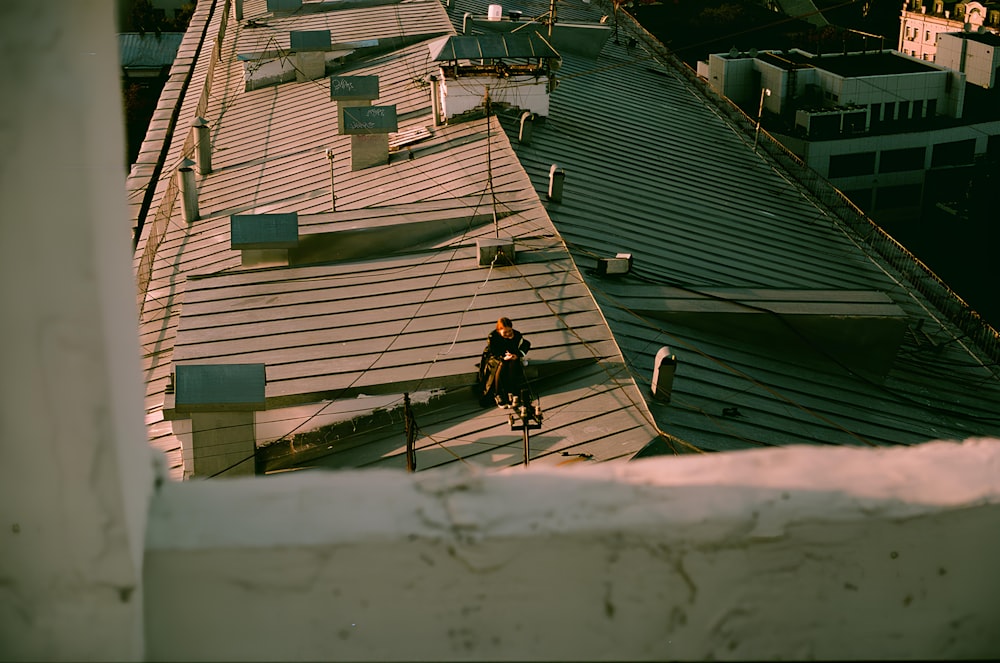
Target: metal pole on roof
column 489, row 161
column 410, row 424
column 765, row 92
column 552, row 15
column 333, row 190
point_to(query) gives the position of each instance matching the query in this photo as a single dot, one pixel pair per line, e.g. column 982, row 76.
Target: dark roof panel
column 477, row 47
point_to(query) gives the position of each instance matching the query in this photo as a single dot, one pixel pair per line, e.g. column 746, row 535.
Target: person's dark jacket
column 498, row 346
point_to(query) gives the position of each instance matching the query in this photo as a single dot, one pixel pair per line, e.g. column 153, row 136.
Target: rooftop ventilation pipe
column 239, row 10
column 527, row 127
column 556, row 177
column 664, row 367
column 203, row 134
column 189, row 191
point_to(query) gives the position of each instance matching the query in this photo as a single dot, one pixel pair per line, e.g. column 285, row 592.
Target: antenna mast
column 489, row 161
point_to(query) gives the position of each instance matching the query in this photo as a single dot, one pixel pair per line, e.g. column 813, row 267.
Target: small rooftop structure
column 149, row 54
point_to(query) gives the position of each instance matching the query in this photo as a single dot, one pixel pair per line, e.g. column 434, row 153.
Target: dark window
column 993, row 148
column 956, row 153
column 890, row 111
column 931, row 109
column 824, row 126
column 848, row 165
column 860, row 197
column 894, row 197
column 918, row 109
column 895, row 161
column 854, row 122
column 876, row 113
column 904, row 111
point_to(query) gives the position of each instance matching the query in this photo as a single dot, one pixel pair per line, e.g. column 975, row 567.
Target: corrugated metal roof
column 399, row 303
column 386, row 22
column 653, row 168
column 149, row 50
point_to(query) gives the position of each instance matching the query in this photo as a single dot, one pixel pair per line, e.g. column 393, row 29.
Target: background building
column 878, row 125
column 922, row 21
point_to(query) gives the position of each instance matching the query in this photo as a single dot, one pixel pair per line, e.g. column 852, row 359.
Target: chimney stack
column 369, row 128
column 310, row 48
column 221, row 399
column 263, row 240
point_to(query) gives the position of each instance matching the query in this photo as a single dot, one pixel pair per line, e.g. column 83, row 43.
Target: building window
column 896, row 197
column 931, row 109
column 890, row 111
column 854, row 122
column 897, row 161
column 955, row 153
column 875, row 114
column 861, row 197
column 927, row 35
column 918, row 109
column 850, row 165
column 904, row 111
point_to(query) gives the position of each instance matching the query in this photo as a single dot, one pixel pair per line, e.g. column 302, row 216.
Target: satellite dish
column 734, row 52
column 753, row 52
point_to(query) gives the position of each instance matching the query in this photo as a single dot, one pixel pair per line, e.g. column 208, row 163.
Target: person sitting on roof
column 501, row 372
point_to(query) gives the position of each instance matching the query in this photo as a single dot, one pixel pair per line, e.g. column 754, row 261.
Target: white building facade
column 922, row 22
column 874, row 124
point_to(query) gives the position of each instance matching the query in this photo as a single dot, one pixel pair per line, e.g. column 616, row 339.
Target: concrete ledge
column 799, row 552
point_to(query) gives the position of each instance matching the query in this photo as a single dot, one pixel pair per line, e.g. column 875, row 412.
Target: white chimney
column 556, row 177
column 664, row 367
column 527, row 127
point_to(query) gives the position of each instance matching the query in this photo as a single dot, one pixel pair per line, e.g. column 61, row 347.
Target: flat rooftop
column 988, row 38
column 853, row 64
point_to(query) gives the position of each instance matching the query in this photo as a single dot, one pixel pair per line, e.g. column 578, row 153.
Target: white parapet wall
column 795, row 553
